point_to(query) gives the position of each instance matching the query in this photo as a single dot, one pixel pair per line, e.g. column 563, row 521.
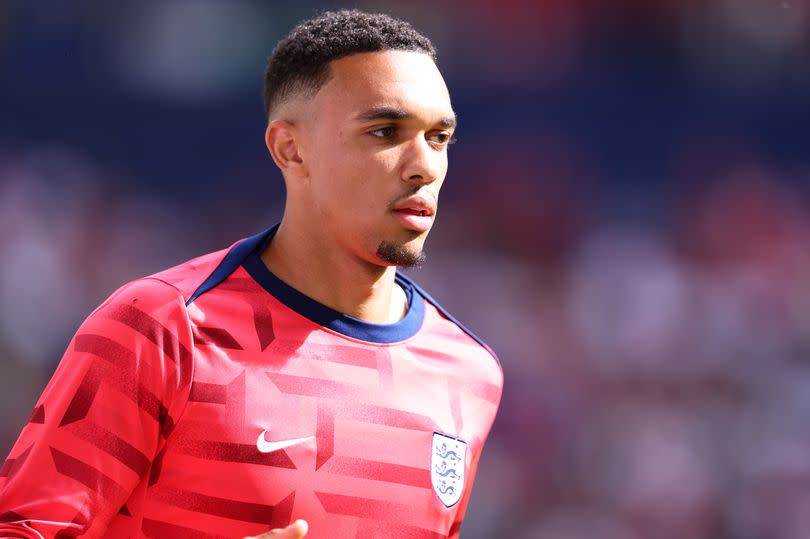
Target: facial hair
column 399, row 255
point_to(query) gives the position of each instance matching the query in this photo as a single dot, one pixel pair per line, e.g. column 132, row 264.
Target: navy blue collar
column 325, row 316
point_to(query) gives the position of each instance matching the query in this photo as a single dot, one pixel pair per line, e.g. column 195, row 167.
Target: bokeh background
column 626, row 220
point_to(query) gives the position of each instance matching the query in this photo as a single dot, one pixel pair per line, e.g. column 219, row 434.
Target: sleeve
column 97, row 430
column 455, row 529
column 489, row 392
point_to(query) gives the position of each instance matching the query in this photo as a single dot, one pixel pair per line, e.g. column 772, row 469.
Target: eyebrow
column 395, row 114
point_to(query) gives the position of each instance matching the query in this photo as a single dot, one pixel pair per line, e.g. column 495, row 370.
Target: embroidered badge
column 447, row 464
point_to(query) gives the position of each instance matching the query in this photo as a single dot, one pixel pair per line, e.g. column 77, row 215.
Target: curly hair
column 300, row 61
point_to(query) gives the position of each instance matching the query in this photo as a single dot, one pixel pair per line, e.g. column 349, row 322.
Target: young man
column 294, row 377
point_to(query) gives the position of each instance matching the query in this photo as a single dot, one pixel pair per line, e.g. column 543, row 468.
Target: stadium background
column 626, row 220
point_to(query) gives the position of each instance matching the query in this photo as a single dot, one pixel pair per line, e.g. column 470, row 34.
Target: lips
column 417, row 205
column 416, row 212
column 411, row 211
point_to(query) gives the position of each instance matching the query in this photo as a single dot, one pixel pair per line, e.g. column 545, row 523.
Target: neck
column 330, row 275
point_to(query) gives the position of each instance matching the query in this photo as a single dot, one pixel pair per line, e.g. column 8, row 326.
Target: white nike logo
column 268, row 447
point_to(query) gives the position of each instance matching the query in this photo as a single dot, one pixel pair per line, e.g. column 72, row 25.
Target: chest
column 294, row 391
column 347, row 430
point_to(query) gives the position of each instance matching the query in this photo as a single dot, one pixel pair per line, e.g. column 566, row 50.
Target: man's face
column 375, row 143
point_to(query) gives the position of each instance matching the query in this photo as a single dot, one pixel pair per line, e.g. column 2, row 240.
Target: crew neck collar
column 329, row 318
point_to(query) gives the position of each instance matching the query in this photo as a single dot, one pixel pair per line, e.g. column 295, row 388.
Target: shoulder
column 160, row 298
column 188, row 276
column 141, row 339
column 168, row 292
column 146, row 309
column 445, row 314
column 150, row 295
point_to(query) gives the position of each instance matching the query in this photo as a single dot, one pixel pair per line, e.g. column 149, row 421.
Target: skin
column 375, row 133
column 296, row 530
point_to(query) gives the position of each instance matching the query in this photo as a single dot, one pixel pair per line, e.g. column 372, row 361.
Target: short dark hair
column 300, row 61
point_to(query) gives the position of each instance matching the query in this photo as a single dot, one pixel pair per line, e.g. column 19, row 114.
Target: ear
column 282, row 142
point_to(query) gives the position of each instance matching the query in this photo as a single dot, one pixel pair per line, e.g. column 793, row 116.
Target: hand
column 296, row 530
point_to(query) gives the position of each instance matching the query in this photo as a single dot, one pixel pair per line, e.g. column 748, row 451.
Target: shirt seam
column 186, row 391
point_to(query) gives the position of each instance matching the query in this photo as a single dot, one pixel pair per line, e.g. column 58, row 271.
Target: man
column 294, row 382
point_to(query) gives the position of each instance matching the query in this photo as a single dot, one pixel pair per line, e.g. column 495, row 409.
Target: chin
column 404, row 255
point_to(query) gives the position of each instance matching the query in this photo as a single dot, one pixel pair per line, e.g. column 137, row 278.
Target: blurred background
column 626, row 221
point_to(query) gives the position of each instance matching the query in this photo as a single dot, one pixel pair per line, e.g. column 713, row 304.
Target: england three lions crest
column 447, row 463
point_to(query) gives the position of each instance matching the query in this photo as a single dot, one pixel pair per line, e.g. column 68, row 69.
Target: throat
column 382, row 310
column 399, row 304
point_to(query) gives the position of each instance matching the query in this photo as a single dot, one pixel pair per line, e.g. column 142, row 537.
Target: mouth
column 414, row 211
column 415, row 219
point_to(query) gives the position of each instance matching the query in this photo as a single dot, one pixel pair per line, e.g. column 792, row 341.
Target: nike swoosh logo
column 268, row 447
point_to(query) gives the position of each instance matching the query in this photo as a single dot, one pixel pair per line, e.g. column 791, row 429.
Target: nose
column 422, row 163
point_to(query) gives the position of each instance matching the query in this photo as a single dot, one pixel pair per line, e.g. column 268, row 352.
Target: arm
column 455, row 529
column 102, row 418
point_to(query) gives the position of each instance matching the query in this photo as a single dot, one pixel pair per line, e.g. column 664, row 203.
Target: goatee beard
column 398, row 255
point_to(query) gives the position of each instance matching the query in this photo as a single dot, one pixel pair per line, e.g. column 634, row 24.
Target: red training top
column 213, row 400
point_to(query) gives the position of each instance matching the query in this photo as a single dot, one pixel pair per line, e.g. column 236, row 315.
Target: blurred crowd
column 626, row 221
column 657, row 377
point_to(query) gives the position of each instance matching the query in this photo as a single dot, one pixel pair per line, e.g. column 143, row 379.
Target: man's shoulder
column 168, row 289
column 450, row 321
column 189, row 275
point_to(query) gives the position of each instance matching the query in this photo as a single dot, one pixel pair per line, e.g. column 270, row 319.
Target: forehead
column 406, row 80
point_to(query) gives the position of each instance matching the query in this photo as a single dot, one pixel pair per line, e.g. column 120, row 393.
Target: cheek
column 442, row 173
column 351, row 183
column 367, row 175
column 331, row 172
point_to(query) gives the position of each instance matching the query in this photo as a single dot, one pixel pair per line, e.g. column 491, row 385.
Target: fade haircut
column 300, row 61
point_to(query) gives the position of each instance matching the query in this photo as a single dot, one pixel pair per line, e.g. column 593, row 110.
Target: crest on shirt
column 447, row 463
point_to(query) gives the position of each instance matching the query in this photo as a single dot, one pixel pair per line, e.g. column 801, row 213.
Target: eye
column 442, row 138
column 383, row 132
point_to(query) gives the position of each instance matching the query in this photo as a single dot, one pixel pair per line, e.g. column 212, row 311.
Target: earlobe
column 280, row 139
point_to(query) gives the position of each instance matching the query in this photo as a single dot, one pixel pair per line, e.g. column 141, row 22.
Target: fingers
column 296, row 530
